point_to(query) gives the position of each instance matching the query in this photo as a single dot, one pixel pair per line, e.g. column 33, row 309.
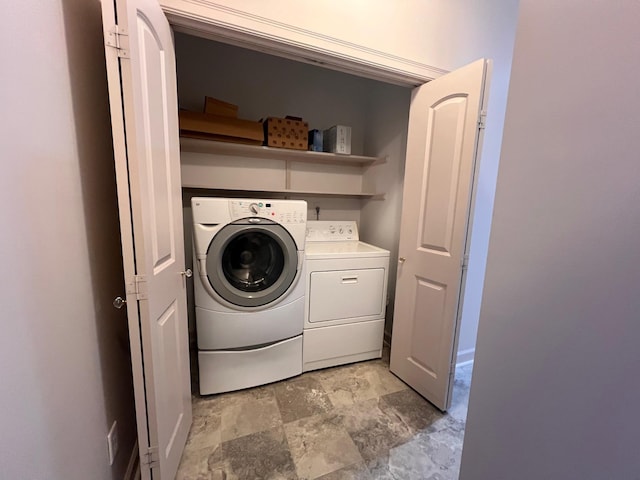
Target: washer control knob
column 255, row 209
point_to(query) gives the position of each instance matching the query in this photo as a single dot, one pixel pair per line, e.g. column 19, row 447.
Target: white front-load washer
column 249, row 291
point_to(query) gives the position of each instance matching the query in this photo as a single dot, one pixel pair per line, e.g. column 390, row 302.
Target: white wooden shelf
column 196, row 145
column 233, row 167
column 286, row 191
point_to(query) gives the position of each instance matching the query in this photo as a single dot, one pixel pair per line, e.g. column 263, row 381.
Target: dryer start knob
column 255, row 209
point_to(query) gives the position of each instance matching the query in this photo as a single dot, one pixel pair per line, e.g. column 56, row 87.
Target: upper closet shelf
column 197, row 145
column 285, row 191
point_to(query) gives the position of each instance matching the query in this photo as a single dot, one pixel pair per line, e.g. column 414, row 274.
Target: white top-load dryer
column 346, row 296
column 249, row 291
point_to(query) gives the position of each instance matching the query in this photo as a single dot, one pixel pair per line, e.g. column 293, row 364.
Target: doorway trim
column 207, row 19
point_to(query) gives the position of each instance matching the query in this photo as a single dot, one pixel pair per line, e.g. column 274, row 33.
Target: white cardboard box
column 337, row 139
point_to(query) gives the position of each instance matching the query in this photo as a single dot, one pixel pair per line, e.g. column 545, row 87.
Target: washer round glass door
column 252, row 262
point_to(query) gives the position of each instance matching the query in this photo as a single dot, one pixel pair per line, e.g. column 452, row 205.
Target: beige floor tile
column 249, row 414
column 320, row 445
column 347, row 386
column 381, row 379
column 301, row 397
column 194, row 464
column 263, row 455
column 414, row 410
column 205, row 431
column 374, row 431
column 353, row 472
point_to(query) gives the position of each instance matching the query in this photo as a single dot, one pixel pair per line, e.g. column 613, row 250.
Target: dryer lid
column 322, row 250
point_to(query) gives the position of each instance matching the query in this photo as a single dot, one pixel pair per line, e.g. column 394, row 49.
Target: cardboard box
column 337, row 139
column 213, row 106
column 288, row 132
column 220, row 127
column 315, row 140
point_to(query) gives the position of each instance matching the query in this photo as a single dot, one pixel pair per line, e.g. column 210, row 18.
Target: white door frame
column 472, row 208
column 208, row 19
column 213, row 21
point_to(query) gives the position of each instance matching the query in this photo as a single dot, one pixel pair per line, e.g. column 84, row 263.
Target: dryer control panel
column 285, row 212
column 328, row 231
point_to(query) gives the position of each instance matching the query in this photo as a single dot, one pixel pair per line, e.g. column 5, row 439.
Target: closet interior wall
column 264, row 85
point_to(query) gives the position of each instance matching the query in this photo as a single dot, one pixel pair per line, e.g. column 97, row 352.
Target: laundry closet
column 367, row 190
column 437, row 127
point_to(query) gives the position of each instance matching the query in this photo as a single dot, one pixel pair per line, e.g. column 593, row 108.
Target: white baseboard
column 133, row 467
column 465, row 357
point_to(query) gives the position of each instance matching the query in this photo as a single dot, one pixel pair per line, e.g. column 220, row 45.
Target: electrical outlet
column 112, row 442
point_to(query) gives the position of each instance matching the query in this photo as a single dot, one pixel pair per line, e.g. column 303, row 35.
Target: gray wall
column 387, row 122
column 489, row 35
column 555, row 389
column 265, row 85
column 64, row 356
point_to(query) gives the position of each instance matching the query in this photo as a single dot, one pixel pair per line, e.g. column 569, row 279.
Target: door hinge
column 118, row 38
column 482, row 119
column 150, row 458
column 465, row 262
column 138, row 287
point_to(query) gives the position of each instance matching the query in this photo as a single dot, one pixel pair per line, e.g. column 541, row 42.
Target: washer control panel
column 328, row 231
column 278, row 211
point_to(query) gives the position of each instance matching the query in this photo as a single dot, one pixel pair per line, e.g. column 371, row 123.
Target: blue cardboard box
column 315, row 140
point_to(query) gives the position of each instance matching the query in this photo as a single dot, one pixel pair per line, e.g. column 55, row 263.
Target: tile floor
column 351, row 422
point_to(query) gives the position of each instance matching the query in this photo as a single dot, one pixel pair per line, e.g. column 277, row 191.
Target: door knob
column 401, row 260
column 187, row 273
column 119, row 302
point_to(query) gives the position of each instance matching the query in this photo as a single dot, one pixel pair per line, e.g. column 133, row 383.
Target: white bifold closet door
column 143, row 96
column 445, row 131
